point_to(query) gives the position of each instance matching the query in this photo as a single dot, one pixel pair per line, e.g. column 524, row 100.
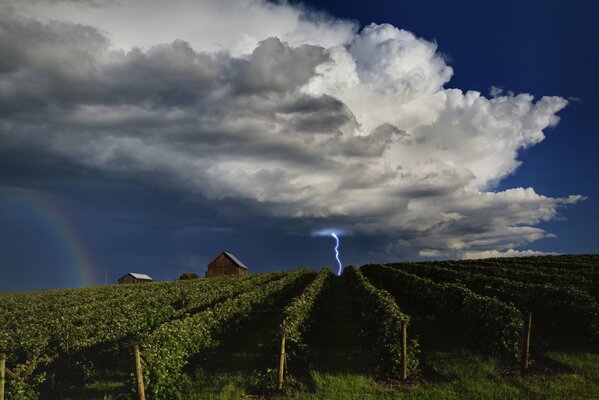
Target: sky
column 148, row 136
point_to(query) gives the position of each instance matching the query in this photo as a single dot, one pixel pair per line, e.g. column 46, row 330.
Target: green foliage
column 566, row 307
column 382, row 320
column 572, row 262
column 265, row 381
column 298, row 314
column 189, row 275
column 168, row 349
column 581, row 271
column 43, row 332
column 527, row 273
column 484, row 322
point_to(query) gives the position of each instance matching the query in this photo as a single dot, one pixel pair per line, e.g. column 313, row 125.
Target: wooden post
column 2, row 374
column 281, row 362
column 140, row 378
column 526, row 342
column 404, row 350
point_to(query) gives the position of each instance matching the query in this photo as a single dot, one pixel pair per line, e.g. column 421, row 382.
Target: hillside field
column 466, row 325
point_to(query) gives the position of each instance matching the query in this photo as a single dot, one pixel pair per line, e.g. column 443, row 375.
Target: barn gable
column 234, row 259
column 226, row 264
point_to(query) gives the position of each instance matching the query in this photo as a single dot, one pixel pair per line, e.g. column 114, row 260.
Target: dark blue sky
column 127, row 224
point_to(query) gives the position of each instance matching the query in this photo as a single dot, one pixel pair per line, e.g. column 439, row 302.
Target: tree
column 189, row 275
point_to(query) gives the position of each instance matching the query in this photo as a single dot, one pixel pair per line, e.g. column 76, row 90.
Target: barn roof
column 138, row 276
column 234, row 259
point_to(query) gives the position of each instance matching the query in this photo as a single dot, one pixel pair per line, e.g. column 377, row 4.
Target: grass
column 458, row 375
column 109, row 385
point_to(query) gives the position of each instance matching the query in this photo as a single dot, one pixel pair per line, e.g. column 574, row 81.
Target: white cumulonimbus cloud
column 303, row 116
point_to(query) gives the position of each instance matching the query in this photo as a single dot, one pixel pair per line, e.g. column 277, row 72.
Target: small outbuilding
column 226, row 264
column 133, row 277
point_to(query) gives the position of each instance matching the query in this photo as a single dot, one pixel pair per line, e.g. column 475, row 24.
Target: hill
column 466, row 325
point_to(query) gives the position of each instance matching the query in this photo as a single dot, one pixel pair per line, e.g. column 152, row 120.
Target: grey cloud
column 30, row 43
column 49, row 64
column 362, row 137
column 274, row 66
column 389, row 131
column 167, row 74
column 323, row 114
column 376, row 143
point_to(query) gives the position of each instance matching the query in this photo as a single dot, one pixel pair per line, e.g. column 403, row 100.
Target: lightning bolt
column 337, row 252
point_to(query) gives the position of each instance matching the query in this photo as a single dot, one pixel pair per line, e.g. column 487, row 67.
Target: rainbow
column 43, row 213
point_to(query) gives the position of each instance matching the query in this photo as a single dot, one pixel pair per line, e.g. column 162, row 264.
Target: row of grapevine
column 568, row 265
column 484, row 322
column 29, row 323
column 52, row 301
column 140, row 317
column 573, row 263
column 168, row 349
column 37, row 342
column 553, row 306
column 556, row 277
column 382, row 321
column 298, row 316
column 59, row 312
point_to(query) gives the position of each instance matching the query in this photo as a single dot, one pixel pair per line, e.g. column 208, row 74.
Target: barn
column 226, row 264
column 133, row 277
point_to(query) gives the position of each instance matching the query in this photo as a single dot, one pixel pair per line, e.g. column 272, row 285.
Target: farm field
column 220, row 338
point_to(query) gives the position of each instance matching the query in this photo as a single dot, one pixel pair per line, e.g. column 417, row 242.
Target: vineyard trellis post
column 2, row 374
column 526, row 341
column 281, row 362
column 4, row 371
column 139, row 376
column 404, row 350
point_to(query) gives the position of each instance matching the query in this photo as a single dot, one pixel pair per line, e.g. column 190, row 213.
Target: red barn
column 226, row 264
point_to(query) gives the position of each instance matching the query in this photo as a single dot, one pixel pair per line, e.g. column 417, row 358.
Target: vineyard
column 493, row 328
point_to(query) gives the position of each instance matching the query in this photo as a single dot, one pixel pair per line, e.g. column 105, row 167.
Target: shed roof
column 138, row 276
column 234, row 259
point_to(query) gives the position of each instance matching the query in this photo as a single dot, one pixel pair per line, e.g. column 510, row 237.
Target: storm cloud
column 287, row 114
